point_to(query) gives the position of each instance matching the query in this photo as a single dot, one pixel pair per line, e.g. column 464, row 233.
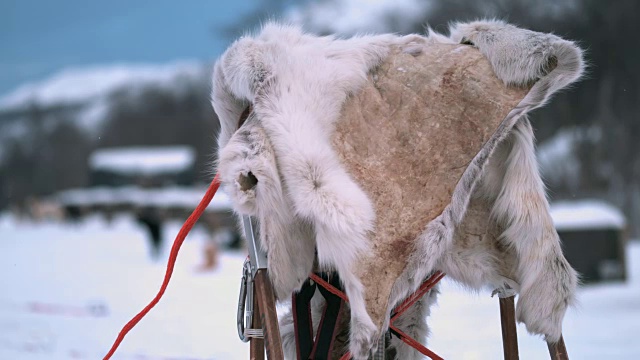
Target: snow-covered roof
column 187, row 198
column 143, row 160
column 586, row 214
column 170, row 197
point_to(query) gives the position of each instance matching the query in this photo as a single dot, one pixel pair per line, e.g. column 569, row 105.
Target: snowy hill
column 88, row 89
column 51, row 127
column 79, row 85
column 357, row 16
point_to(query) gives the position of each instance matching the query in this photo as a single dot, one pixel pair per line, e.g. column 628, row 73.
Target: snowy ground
column 67, row 290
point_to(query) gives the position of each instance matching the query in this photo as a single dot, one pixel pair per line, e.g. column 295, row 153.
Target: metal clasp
column 244, row 317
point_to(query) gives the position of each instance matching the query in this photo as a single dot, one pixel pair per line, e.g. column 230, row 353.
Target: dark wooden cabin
column 593, row 235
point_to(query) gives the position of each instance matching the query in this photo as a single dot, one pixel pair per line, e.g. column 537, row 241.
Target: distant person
column 209, row 254
column 221, row 236
column 152, row 220
column 44, row 210
column 73, row 213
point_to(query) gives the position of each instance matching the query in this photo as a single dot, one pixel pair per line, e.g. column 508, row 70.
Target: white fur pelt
column 279, row 166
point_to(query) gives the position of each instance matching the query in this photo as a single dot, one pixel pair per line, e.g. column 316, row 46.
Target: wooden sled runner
column 387, row 160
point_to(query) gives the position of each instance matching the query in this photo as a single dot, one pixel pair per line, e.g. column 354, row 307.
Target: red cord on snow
column 182, row 234
column 177, row 243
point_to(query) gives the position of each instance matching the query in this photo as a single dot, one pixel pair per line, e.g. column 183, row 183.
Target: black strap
column 302, row 321
column 320, row 349
column 330, row 319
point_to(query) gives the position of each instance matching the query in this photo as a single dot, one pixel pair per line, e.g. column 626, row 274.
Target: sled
column 387, row 162
column 264, row 334
column 395, row 145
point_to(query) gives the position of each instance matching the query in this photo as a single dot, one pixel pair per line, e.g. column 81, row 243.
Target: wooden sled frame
column 265, row 317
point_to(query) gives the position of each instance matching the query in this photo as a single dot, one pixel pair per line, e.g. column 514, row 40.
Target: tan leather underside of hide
column 406, row 138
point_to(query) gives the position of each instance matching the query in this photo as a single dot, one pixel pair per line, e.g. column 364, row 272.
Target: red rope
column 177, row 243
column 415, row 344
column 182, row 234
column 406, row 304
column 426, row 286
column 332, row 289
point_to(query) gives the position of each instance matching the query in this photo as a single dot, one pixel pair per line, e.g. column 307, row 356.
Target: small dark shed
column 593, row 239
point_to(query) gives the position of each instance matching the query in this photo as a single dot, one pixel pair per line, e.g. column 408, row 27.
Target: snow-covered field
column 66, row 290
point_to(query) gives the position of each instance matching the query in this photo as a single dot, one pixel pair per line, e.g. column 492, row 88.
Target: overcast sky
column 38, row 38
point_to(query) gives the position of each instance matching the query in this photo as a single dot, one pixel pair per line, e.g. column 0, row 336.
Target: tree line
column 52, row 153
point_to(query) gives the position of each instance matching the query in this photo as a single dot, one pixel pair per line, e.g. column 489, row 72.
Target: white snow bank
column 80, row 85
column 93, row 277
column 68, row 290
column 586, row 214
column 143, row 160
column 351, row 16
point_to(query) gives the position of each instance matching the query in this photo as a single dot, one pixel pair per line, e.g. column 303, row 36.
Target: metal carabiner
column 244, row 315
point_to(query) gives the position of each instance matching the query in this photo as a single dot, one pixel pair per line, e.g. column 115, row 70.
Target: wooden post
column 509, row 334
column 263, row 291
column 256, row 346
column 558, row 351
